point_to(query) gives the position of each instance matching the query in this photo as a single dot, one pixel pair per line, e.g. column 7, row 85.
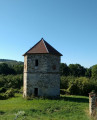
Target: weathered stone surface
column 92, row 104
column 45, row 76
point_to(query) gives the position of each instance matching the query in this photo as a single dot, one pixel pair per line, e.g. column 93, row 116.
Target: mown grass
column 65, row 108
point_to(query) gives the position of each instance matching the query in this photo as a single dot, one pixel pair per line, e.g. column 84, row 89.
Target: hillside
column 11, row 62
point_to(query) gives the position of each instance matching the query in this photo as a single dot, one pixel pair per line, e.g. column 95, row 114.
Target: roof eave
column 42, row 53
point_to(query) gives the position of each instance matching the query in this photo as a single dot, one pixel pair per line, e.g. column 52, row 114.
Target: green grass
column 67, row 108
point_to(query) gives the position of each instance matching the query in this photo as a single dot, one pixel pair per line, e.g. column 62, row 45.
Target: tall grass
column 65, row 108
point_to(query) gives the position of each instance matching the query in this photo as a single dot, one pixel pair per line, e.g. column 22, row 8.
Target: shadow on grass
column 1, row 112
column 66, row 98
column 73, row 99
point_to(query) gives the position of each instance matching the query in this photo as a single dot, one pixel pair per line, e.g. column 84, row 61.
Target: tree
column 18, row 69
column 94, row 71
column 88, row 72
column 77, row 70
column 64, row 70
column 5, row 69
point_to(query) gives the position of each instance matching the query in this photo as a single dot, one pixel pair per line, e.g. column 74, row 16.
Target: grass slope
column 67, row 108
column 11, row 62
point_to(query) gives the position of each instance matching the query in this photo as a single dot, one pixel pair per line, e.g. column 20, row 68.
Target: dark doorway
column 36, row 91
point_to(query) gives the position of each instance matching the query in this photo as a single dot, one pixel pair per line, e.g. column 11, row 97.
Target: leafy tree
column 94, row 72
column 64, row 82
column 5, row 69
column 80, row 86
column 77, row 70
column 88, row 73
column 8, row 69
column 18, row 69
column 64, row 69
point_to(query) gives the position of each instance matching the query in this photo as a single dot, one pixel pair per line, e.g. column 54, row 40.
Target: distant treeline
column 77, row 70
column 8, row 60
column 11, row 62
column 6, row 69
column 75, row 79
column 2, row 60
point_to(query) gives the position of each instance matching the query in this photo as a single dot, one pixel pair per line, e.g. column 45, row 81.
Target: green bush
column 10, row 93
column 10, row 84
column 11, row 81
column 21, row 90
column 2, row 96
column 2, row 90
column 80, row 86
column 64, row 83
column 77, row 85
column 64, row 91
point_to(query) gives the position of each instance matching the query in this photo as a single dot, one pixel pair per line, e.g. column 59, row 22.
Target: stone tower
column 41, row 70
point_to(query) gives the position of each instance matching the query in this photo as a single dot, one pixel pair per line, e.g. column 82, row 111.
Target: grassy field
column 67, row 108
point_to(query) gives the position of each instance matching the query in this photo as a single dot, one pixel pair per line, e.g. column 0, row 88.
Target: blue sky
column 70, row 26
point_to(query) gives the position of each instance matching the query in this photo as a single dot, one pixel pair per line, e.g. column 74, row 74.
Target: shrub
column 2, row 90
column 11, row 81
column 64, row 91
column 9, row 93
column 64, row 83
column 10, row 84
column 77, row 85
column 2, row 96
column 21, row 90
column 80, row 86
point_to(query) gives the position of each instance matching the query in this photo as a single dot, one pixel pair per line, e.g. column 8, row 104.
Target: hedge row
column 77, row 85
column 9, row 85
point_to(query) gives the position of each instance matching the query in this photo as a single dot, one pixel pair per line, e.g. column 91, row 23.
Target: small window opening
column 54, row 67
column 36, row 63
column 36, row 91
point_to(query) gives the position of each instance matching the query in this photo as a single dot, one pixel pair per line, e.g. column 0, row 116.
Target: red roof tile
column 43, row 47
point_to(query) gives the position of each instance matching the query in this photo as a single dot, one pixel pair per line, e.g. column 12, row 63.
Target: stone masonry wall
column 46, row 63
column 45, row 77
column 47, row 84
column 93, row 104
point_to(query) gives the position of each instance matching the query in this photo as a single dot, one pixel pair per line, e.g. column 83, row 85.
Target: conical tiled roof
column 43, row 47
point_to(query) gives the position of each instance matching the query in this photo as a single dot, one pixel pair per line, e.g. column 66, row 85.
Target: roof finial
column 42, row 39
